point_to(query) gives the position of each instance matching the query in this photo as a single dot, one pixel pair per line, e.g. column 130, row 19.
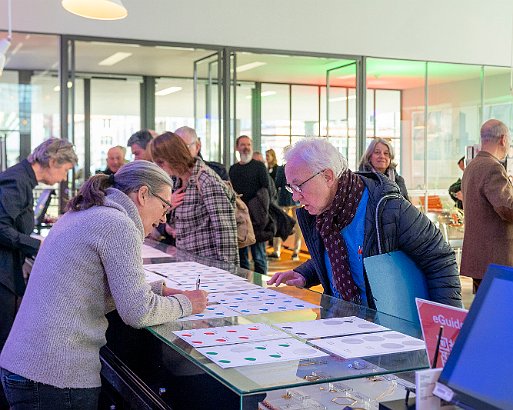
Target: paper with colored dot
column 211, row 312
column 154, row 277
column 269, row 306
column 225, row 335
column 339, row 326
column 219, row 286
column 371, row 344
column 183, row 271
column 269, row 351
column 246, row 296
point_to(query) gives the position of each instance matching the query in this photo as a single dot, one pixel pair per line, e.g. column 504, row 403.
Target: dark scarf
column 331, row 222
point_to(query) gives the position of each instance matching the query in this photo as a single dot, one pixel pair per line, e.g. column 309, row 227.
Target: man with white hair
column 340, row 227
column 488, row 204
column 250, row 179
column 189, row 136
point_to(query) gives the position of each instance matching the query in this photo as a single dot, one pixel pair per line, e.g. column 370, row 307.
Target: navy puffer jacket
column 401, row 227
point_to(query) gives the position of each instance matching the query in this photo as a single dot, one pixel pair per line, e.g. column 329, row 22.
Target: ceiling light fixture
column 250, row 66
column 6, row 42
column 96, row 9
column 167, row 91
column 115, row 58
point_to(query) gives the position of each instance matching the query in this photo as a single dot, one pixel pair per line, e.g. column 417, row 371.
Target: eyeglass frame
column 164, row 201
column 297, row 188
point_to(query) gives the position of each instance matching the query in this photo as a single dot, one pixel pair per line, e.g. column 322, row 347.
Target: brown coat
column 488, row 205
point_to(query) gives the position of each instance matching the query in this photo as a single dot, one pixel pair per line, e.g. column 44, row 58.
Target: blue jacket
column 402, row 227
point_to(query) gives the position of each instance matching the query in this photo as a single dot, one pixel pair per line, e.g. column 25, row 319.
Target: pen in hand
column 198, row 281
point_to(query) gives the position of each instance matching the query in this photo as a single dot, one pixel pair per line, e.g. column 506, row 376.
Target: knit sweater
column 89, row 264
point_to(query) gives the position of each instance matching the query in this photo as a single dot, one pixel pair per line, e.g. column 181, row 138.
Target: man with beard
column 249, row 179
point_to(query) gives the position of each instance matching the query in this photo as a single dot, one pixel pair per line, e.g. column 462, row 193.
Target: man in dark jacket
column 339, row 226
column 249, row 177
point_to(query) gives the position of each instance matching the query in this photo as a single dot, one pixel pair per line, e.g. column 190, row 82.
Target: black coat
column 402, row 227
column 16, row 224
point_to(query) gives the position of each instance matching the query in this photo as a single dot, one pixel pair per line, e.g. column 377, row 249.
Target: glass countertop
column 252, row 379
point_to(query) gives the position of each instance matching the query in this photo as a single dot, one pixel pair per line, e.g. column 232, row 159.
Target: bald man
column 115, row 159
column 488, row 204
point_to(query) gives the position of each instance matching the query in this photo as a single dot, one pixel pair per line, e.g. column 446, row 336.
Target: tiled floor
column 285, row 263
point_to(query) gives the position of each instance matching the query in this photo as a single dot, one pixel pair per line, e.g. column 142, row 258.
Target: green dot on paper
column 284, row 345
column 224, row 361
column 212, row 353
column 260, row 348
column 251, row 359
column 276, row 356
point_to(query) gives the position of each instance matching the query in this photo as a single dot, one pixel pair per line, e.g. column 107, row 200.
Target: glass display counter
column 156, row 366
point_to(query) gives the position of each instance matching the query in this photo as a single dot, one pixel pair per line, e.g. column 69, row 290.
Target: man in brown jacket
column 488, row 204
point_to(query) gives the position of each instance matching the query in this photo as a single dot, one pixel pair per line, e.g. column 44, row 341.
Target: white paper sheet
column 225, row 335
column 220, row 287
column 211, row 312
column 246, row 296
column 331, row 327
column 370, row 344
column 182, row 268
column 270, row 351
column 269, row 306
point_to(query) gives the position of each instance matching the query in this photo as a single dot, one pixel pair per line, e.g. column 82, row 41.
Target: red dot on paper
column 198, row 342
column 209, row 333
column 243, row 337
column 220, row 340
column 253, row 328
column 231, row 331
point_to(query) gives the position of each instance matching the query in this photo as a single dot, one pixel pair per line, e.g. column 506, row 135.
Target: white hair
column 318, row 154
column 187, row 132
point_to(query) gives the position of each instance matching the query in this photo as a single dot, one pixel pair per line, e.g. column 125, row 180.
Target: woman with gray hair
column 49, row 163
column 342, row 212
column 379, row 157
column 89, row 264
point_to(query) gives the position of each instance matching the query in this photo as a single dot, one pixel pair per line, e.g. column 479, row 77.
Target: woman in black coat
column 49, row 163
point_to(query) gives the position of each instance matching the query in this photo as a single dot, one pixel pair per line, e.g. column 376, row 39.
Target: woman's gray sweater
column 89, row 264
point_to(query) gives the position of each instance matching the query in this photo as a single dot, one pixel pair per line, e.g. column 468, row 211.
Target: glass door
column 208, row 93
column 341, row 121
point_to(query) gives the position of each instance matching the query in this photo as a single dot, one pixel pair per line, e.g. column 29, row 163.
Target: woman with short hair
column 89, row 264
column 204, row 222
column 379, row 157
column 49, row 163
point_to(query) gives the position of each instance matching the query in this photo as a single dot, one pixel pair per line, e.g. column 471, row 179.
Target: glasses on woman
column 167, row 205
column 297, row 188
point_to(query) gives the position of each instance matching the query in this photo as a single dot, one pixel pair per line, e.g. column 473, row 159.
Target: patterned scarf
column 331, row 222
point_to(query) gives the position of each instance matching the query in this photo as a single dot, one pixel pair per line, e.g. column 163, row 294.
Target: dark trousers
column 25, row 394
column 475, row 285
column 259, row 257
column 8, row 308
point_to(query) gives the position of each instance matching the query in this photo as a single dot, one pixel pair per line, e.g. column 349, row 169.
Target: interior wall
column 465, row 31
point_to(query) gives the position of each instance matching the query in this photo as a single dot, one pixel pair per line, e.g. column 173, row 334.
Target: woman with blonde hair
column 205, row 221
column 272, row 163
column 379, row 157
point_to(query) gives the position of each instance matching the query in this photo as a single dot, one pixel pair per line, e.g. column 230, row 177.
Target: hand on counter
column 290, row 277
column 198, row 299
